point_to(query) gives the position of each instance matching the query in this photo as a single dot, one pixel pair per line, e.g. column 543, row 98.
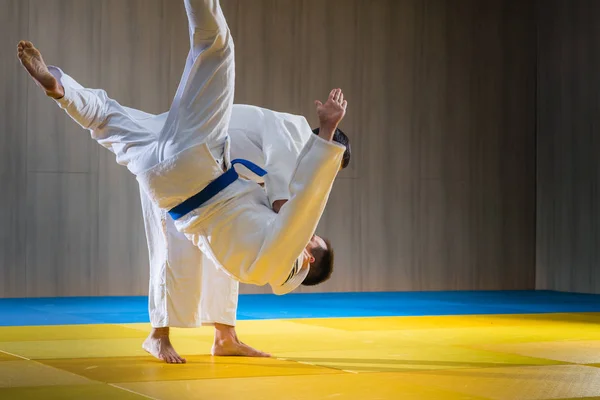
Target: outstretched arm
column 317, row 167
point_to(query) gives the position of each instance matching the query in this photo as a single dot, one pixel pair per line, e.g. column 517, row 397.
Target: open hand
column 333, row 111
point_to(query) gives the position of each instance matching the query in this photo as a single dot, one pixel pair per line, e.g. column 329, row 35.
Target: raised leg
column 202, row 106
column 129, row 133
column 204, row 16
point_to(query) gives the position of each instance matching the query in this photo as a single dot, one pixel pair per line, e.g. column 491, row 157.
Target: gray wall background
column 568, row 178
column 441, row 191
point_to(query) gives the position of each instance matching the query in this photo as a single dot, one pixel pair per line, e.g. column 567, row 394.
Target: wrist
column 326, row 131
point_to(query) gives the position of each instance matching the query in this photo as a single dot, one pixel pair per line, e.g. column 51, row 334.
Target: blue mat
column 112, row 310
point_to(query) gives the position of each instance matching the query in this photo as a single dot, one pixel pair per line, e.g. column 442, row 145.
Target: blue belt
column 213, row 188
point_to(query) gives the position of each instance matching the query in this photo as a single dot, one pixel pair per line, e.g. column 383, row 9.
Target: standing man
column 187, row 288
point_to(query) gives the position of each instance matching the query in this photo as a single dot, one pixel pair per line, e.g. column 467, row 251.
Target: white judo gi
column 176, row 155
column 187, row 288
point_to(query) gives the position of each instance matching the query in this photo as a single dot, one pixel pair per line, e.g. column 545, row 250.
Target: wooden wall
column 440, row 194
column 568, row 181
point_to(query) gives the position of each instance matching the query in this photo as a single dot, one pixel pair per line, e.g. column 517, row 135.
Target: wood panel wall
column 440, row 194
column 568, row 179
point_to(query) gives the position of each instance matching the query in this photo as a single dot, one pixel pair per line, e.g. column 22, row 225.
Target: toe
column 175, row 359
column 259, row 353
column 28, row 44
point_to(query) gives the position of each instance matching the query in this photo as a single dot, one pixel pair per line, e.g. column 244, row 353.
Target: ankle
column 57, row 93
column 160, row 332
column 225, row 334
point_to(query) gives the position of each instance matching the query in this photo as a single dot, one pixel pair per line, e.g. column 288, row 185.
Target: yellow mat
column 548, row 356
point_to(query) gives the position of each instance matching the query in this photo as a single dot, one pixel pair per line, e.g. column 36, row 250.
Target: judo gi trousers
column 187, row 288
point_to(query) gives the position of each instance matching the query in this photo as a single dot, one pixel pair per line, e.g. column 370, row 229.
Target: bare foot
column 32, row 60
column 159, row 345
column 227, row 344
column 236, row 348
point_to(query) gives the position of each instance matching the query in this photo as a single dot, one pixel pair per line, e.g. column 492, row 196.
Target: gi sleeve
column 317, row 167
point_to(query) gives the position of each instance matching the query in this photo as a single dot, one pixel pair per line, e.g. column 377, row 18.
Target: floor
column 448, row 345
